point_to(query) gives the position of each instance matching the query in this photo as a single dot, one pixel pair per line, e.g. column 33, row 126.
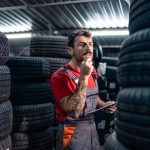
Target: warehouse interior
column 33, row 45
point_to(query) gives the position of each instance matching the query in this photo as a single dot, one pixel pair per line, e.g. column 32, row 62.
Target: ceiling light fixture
column 18, row 35
column 109, row 32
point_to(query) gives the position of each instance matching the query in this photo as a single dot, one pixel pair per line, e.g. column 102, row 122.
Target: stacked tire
column 33, row 111
column 54, row 50
column 132, row 124
column 111, row 76
column 6, row 115
column 104, row 121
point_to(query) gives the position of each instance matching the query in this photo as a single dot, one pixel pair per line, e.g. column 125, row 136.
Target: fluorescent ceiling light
column 109, row 32
column 15, row 28
column 18, row 35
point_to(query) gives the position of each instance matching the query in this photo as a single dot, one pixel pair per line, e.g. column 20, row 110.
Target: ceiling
column 60, row 17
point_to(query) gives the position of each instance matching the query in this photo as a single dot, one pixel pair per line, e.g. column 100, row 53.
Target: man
column 76, row 94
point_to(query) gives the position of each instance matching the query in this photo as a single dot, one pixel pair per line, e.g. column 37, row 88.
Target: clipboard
column 106, row 106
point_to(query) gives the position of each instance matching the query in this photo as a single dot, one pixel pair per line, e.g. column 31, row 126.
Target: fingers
column 111, row 109
column 87, row 59
column 87, row 62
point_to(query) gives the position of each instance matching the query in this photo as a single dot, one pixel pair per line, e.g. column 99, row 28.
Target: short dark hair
column 75, row 34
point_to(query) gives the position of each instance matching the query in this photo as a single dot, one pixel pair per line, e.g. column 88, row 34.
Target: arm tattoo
column 74, row 104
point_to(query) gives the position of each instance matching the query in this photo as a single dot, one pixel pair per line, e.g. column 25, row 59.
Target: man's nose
column 86, row 46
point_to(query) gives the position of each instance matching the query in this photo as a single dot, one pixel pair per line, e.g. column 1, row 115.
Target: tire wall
column 133, row 122
column 6, row 112
column 33, row 110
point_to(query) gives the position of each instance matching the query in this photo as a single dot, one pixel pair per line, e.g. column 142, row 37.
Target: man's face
column 83, row 48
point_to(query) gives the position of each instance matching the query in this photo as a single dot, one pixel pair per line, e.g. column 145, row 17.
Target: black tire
column 42, row 140
column 111, row 61
column 4, row 48
column 6, row 144
column 5, row 119
column 134, row 100
column 4, row 83
column 32, row 117
column 49, row 46
column 111, row 73
column 134, row 60
column 25, row 69
column 133, row 128
column 133, row 118
column 97, row 52
column 132, row 141
column 139, row 15
column 56, row 63
column 30, row 93
column 137, row 42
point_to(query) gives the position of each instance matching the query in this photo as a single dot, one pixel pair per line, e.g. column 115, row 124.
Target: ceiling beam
column 68, row 31
column 128, row 1
column 111, row 46
column 23, row 1
column 26, row 6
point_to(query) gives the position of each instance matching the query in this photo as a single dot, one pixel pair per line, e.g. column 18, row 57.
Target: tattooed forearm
column 74, row 104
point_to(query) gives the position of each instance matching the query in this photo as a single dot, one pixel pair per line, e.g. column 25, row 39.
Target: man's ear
column 70, row 51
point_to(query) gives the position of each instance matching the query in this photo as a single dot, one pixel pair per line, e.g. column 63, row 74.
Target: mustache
column 88, row 51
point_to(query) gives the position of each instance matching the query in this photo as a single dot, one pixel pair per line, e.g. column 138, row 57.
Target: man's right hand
column 86, row 68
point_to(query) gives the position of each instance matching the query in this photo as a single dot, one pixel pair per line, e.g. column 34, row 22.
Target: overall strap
column 95, row 79
column 73, row 77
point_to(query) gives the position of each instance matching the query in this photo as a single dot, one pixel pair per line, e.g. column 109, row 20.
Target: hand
column 110, row 109
column 86, row 67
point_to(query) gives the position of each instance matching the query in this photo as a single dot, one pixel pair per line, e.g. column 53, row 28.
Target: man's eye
column 82, row 44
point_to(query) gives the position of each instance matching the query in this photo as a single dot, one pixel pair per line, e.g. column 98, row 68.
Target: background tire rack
column 33, row 112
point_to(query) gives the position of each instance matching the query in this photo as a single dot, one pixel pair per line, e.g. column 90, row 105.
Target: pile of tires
column 33, row 111
column 104, row 121
column 6, row 115
column 132, row 123
column 111, row 76
column 54, row 50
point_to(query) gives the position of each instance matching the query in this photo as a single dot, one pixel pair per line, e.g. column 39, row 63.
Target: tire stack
column 33, row 113
column 6, row 115
column 133, row 115
column 104, row 121
column 111, row 76
column 54, row 50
